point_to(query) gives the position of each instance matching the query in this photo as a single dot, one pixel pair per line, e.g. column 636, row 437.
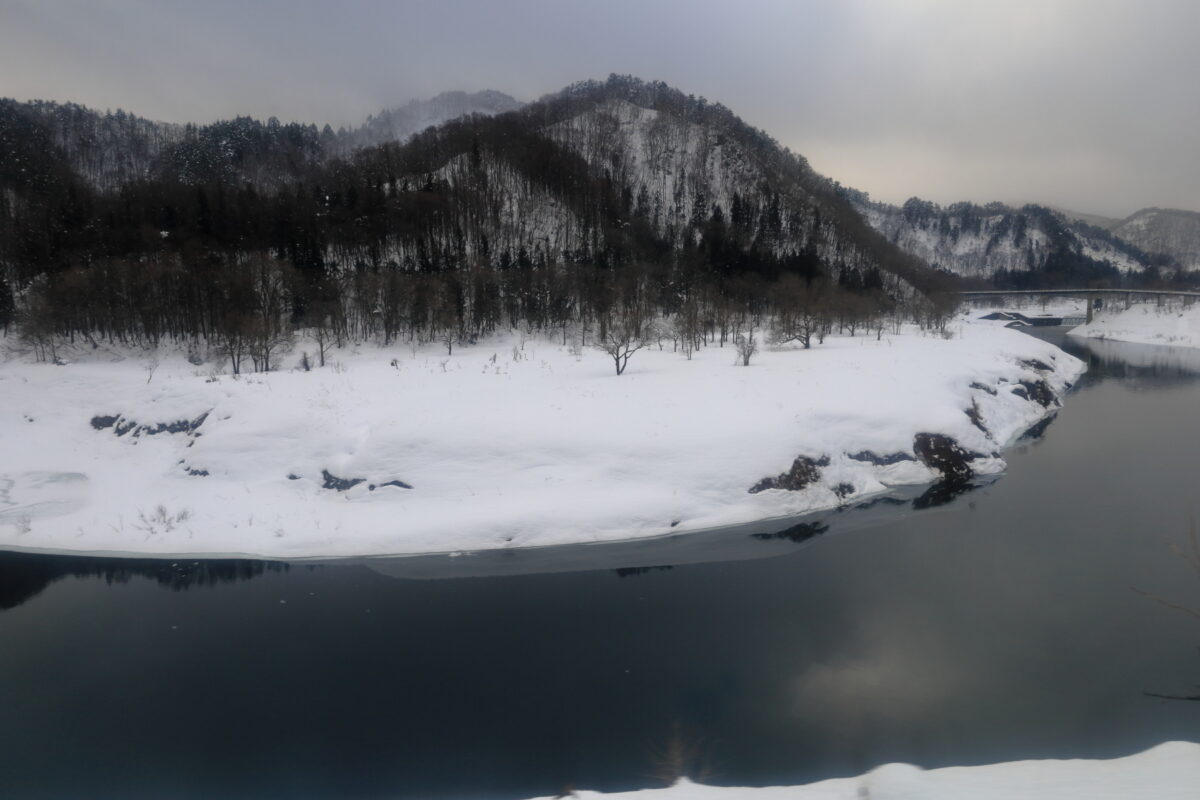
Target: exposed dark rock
column 843, row 490
column 122, row 426
column 1035, row 364
column 940, row 452
column 293, row 476
column 398, row 484
column 977, row 418
column 339, row 484
column 1038, row 430
column 801, row 532
column 199, row 473
column 804, row 471
column 1036, row 391
column 872, row 457
column 984, row 388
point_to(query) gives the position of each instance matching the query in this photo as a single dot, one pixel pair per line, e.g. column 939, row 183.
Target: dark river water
column 1004, row 625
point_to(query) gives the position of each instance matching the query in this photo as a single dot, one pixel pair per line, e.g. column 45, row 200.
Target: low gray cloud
column 1087, row 104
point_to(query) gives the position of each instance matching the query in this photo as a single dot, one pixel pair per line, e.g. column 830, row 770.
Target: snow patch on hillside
column 513, row 442
column 1170, row 771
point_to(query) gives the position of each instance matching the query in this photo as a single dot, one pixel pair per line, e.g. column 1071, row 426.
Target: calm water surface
column 1003, row 625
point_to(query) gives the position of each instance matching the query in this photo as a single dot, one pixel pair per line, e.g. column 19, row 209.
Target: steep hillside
column 1032, row 244
column 106, row 150
column 1169, row 231
column 695, row 175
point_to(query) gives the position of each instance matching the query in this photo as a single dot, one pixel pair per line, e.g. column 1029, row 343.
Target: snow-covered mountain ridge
column 980, row 241
column 1170, row 231
column 111, row 149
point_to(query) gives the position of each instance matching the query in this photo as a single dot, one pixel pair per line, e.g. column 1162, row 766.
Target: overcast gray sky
column 1092, row 105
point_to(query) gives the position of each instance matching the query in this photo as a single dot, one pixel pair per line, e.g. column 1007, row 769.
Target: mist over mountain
column 400, row 123
column 1170, row 231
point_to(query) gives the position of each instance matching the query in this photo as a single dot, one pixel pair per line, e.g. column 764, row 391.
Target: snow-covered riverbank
column 1146, row 323
column 1168, row 772
column 511, row 442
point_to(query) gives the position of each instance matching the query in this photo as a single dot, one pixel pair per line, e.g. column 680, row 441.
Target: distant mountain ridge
column 997, row 242
column 601, row 173
column 110, row 149
column 1170, row 231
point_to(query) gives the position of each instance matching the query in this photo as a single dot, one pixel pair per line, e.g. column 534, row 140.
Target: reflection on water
column 998, row 627
column 799, row 533
column 25, row 575
column 943, row 492
column 1136, row 364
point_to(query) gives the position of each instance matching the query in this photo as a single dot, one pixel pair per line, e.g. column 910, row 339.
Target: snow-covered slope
column 1169, row 231
column 511, row 442
column 1171, row 323
column 689, row 170
column 978, row 241
column 1170, row 771
column 677, row 170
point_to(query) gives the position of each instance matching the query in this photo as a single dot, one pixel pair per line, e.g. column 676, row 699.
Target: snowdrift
column 511, row 442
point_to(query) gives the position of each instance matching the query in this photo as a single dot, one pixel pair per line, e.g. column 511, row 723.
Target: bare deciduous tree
column 747, row 346
column 799, row 313
column 624, row 335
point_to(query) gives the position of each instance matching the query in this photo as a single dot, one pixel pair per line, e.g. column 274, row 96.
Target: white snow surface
column 1170, row 771
column 1146, row 323
column 513, row 442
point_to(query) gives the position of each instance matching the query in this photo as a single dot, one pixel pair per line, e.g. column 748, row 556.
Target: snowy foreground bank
column 1168, row 772
column 1146, row 323
column 511, row 442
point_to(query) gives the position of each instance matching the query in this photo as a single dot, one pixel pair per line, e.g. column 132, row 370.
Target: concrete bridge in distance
column 1094, row 296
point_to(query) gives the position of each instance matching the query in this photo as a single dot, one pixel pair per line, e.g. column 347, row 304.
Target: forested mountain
column 1169, row 231
column 1031, row 246
column 111, row 149
column 607, row 202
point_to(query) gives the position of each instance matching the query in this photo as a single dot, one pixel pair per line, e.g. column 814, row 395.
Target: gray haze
column 1091, row 105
